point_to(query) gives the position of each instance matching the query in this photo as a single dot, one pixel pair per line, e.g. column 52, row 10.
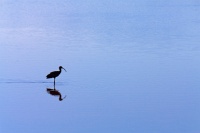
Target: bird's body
column 55, row 74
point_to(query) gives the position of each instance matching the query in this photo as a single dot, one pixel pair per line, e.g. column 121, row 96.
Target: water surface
column 132, row 66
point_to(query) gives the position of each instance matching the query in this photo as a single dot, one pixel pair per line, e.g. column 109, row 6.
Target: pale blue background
column 132, row 66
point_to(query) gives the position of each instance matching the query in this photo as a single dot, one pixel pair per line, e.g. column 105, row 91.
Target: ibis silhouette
column 55, row 74
column 55, row 92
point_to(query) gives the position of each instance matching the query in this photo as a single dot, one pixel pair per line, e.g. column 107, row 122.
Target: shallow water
column 132, row 66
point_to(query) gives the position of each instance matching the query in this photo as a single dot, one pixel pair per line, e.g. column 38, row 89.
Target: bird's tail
column 48, row 76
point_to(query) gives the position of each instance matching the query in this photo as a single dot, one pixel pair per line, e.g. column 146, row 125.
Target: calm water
column 132, row 66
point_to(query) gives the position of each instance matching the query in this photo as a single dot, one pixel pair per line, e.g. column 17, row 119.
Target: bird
column 55, row 74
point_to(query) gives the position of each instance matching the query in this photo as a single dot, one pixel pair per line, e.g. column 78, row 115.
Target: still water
column 132, row 66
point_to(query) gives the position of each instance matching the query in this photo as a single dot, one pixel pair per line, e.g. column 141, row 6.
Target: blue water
column 132, row 66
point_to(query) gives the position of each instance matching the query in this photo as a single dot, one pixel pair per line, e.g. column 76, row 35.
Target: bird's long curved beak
column 64, row 69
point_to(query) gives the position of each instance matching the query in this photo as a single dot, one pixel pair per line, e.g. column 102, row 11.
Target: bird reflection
column 55, row 92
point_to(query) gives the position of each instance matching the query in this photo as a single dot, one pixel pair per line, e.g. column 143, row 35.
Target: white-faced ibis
column 55, row 74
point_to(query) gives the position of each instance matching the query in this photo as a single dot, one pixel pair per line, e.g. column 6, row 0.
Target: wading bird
column 55, row 74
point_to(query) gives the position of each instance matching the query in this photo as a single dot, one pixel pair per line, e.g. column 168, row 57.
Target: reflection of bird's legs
column 54, row 84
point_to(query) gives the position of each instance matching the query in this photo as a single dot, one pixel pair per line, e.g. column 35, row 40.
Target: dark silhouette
column 55, row 92
column 55, row 74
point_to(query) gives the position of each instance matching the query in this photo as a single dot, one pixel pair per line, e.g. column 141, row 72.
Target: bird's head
column 60, row 67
